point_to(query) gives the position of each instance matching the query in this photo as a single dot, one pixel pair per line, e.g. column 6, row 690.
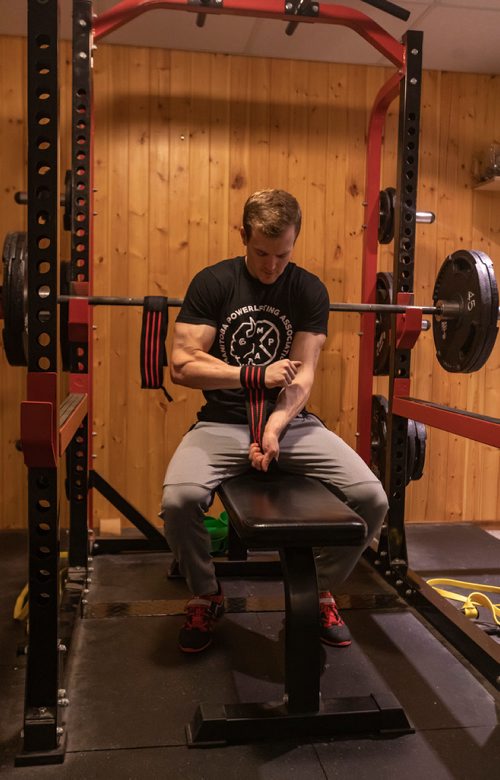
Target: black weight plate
column 463, row 344
column 491, row 287
column 421, row 442
column 382, row 325
column 15, row 268
column 387, row 206
column 380, row 409
column 411, row 451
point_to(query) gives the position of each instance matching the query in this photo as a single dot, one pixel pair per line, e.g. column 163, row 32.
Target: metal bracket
column 299, row 8
column 202, row 17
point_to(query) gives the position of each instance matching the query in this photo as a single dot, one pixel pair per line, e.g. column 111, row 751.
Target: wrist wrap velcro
column 253, row 377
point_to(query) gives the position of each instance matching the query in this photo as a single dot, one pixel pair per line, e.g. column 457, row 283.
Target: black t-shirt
column 255, row 322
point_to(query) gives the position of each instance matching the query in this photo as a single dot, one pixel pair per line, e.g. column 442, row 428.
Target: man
column 256, row 322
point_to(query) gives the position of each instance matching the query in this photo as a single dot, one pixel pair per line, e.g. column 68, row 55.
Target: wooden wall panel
column 181, row 140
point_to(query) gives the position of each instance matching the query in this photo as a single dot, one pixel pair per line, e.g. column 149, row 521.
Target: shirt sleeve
column 314, row 307
column 202, row 301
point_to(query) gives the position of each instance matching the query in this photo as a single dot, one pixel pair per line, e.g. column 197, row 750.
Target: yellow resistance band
column 473, row 600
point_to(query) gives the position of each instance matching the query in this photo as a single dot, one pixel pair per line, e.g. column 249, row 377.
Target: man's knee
column 372, row 505
column 181, row 500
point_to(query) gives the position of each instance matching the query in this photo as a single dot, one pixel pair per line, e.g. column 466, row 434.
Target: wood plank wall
column 181, row 140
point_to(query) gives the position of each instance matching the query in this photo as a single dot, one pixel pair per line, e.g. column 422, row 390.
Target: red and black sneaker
column 333, row 630
column 202, row 612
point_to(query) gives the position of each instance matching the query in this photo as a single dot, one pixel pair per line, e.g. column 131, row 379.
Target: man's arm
column 191, row 364
column 306, row 348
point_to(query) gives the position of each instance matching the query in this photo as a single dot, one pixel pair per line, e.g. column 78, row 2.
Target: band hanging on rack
column 153, row 335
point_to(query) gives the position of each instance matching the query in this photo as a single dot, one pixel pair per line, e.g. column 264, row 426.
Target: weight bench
column 294, row 514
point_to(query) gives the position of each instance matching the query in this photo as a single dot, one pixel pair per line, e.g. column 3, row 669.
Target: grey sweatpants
column 212, row 452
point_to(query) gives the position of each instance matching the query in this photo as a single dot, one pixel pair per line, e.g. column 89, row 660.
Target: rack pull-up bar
column 389, row 8
column 127, row 10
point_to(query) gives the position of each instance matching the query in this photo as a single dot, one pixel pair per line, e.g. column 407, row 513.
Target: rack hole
column 44, row 291
column 43, row 41
column 44, row 339
column 44, row 363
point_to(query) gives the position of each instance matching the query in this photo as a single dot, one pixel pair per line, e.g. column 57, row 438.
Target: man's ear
column 243, row 235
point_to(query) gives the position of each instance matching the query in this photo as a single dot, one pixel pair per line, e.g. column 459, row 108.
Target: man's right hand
column 281, row 373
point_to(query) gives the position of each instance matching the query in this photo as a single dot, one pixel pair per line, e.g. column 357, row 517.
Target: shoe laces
column 200, row 614
column 329, row 611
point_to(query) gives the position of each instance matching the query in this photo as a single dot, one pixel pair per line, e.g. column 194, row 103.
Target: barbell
column 465, row 306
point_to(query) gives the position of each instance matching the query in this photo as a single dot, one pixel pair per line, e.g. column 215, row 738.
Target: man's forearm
column 291, row 401
column 202, row 371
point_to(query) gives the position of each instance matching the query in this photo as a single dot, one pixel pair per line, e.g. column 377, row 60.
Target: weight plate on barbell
column 15, row 327
column 464, row 343
column 382, row 325
column 387, row 207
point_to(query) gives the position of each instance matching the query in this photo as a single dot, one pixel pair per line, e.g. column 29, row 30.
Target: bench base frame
column 218, row 724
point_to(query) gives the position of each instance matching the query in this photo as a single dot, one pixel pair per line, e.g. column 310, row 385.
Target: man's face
column 267, row 257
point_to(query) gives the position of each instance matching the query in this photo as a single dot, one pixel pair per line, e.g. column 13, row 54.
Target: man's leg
column 207, row 455
column 309, row 448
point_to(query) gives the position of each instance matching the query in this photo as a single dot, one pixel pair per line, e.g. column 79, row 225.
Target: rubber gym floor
column 131, row 691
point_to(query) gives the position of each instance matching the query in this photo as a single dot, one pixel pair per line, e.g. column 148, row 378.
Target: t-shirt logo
column 255, row 343
column 255, row 335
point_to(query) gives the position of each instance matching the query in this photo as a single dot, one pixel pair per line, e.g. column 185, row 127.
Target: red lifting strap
column 253, row 380
column 153, row 335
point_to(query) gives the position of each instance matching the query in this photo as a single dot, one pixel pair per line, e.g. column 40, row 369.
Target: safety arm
column 191, row 364
column 306, row 347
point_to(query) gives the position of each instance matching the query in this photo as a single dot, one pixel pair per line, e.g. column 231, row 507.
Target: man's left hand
column 261, row 457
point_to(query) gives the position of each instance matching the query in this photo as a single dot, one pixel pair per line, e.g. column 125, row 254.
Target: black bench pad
column 289, row 510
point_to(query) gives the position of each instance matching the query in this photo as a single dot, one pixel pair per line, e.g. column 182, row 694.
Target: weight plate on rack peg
column 380, row 409
column 14, row 292
column 415, row 453
column 382, row 325
column 387, row 206
column 421, row 443
column 464, row 342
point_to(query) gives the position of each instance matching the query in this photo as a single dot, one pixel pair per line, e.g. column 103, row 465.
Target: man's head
column 271, row 224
